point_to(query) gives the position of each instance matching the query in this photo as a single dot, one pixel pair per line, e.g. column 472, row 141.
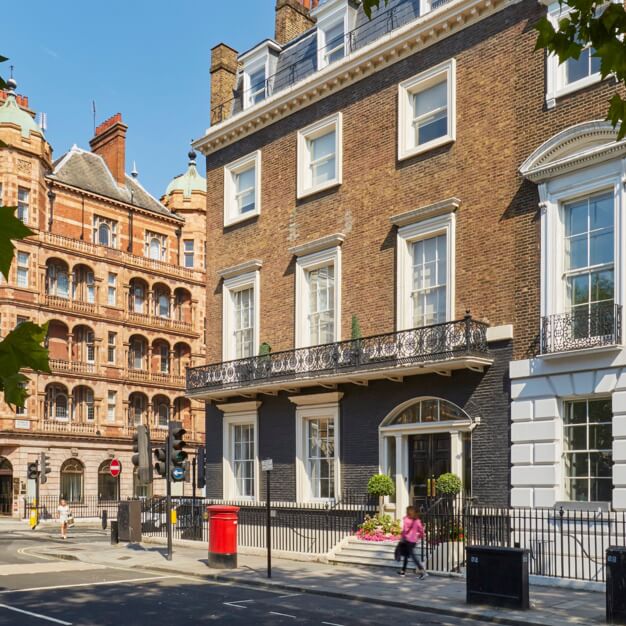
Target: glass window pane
column 576, row 69
column 601, row 211
column 434, row 97
column 323, row 146
column 576, row 218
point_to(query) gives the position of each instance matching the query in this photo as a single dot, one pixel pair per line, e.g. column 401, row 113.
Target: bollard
column 104, row 519
column 115, row 539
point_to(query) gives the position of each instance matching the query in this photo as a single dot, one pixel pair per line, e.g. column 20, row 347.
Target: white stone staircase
column 353, row 551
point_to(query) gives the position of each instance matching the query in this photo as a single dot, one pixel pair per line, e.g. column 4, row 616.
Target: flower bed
column 379, row 528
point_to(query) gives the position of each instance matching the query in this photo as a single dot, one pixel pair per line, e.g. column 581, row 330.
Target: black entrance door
column 429, row 457
column 6, row 494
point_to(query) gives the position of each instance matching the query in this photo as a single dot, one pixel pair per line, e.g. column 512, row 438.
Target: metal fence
column 89, row 506
column 562, row 543
column 308, row 528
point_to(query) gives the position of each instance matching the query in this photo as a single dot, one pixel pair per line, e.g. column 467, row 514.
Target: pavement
column 436, row 595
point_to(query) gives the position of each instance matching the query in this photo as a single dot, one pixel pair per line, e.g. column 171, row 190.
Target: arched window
column 138, row 403
column 57, row 280
column 139, row 298
column 108, row 486
column 428, row 410
column 72, row 475
column 163, row 305
column 155, row 249
column 84, row 407
column 137, row 353
column 104, row 235
column 163, row 412
column 164, row 358
column 56, row 402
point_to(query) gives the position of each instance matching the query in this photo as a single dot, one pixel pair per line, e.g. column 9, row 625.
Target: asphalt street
column 34, row 591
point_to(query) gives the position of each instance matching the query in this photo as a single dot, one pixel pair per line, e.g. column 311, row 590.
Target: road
column 34, row 592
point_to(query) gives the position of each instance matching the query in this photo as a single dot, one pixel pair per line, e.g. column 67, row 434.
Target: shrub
column 449, row 484
column 381, row 485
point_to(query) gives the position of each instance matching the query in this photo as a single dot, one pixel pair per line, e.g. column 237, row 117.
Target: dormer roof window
column 335, row 20
column 259, row 67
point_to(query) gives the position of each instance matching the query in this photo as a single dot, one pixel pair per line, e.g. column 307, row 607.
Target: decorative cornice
column 239, row 407
column 423, row 32
column 450, row 205
column 324, row 243
column 311, row 399
column 243, row 268
column 597, row 143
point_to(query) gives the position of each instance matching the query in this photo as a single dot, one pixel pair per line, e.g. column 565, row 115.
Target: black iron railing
column 382, row 23
column 437, row 342
column 304, row 527
column 87, row 507
column 589, row 328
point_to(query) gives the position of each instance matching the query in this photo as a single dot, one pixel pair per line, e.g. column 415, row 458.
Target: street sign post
column 267, row 465
column 115, row 468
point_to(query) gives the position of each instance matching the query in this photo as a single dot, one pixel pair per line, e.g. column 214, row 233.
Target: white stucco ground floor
column 568, row 430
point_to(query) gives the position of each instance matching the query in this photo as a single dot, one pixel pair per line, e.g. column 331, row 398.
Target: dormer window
column 335, row 20
column 259, row 65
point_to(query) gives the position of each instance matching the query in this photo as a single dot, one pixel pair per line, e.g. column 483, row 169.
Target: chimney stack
column 110, row 143
column 293, row 18
column 223, row 79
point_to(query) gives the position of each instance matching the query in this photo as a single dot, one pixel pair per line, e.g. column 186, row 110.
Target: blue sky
column 148, row 59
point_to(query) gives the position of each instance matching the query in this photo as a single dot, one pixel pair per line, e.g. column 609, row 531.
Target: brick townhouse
column 376, row 255
column 119, row 277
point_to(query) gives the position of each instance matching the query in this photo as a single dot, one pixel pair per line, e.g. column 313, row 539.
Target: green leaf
column 368, row 5
column 22, row 347
column 15, row 392
column 12, row 228
column 617, row 115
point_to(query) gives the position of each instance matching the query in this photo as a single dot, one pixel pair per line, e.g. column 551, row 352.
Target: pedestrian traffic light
column 141, row 458
column 161, row 465
column 44, row 465
column 33, row 470
column 201, row 467
column 178, row 456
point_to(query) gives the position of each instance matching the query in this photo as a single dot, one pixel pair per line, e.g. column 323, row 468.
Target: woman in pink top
column 412, row 532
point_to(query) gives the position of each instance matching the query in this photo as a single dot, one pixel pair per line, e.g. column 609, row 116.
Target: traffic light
column 178, row 456
column 141, row 458
column 201, row 479
column 33, row 470
column 160, row 466
column 44, row 464
column 187, row 471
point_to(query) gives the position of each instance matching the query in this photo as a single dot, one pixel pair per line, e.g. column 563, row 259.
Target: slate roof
column 298, row 59
column 88, row 171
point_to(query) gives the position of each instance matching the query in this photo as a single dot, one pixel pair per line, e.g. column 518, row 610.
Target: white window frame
column 188, row 253
column 556, row 86
column 111, row 404
column 23, row 204
column 555, row 193
column 249, row 70
column 231, row 211
column 111, row 347
column 112, row 289
column 162, row 239
column 238, row 414
column 304, row 264
column 250, row 280
column 263, row 57
column 407, row 235
column 319, row 129
column 22, row 269
column 409, row 88
column 305, row 413
column 99, row 220
column 328, row 15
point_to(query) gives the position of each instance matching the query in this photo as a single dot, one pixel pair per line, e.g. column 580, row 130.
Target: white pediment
column 575, row 147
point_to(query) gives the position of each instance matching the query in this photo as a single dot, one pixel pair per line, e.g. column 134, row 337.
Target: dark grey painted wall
column 361, row 411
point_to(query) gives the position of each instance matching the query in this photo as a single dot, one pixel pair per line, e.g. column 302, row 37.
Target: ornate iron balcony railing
column 438, row 342
column 599, row 326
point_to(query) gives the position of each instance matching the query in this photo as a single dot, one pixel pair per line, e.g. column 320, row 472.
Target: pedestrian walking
column 412, row 532
column 63, row 513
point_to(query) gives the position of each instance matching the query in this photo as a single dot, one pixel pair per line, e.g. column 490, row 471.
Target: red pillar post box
column 223, row 536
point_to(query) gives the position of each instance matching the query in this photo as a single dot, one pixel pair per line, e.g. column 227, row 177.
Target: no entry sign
column 115, row 468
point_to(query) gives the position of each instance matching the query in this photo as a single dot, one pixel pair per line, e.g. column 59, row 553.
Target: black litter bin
column 497, row 576
column 616, row 585
column 115, row 538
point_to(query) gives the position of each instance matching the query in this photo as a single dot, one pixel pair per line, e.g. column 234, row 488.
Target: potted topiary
column 381, row 485
column 451, row 536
